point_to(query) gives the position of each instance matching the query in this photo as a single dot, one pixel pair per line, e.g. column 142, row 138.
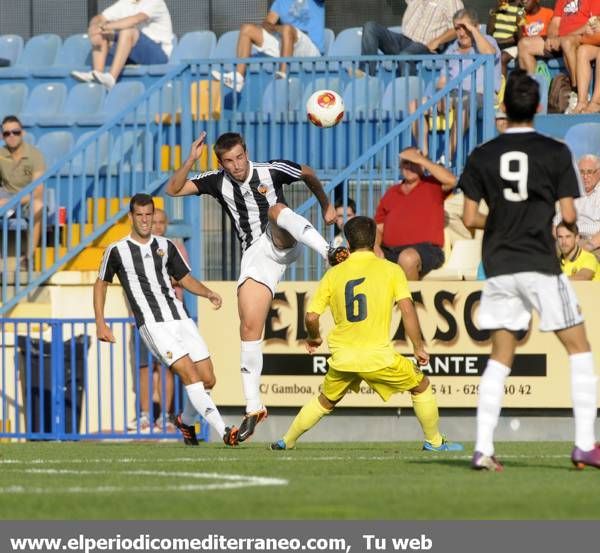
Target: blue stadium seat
column 84, row 99
column 55, row 145
column 12, row 98
column 347, row 43
column 75, row 53
column 119, row 97
column 362, row 97
column 94, row 157
column 398, row 94
column 543, row 92
column 281, row 99
column 11, row 47
column 328, row 39
column 583, row 138
column 45, row 100
column 40, row 51
column 226, row 47
column 194, row 45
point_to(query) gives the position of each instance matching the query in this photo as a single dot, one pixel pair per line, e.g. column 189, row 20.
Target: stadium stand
column 11, row 47
column 12, row 98
column 45, row 100
column 583, row 138
column 74, row 54
column 40, row 51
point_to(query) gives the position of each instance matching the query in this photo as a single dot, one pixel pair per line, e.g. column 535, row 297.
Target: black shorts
column 432, row 256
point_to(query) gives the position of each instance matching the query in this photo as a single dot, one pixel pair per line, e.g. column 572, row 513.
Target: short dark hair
column 571, row 227
column 521, row 97
column 360, row 231
column 227, row 141
column 351, row 204
column 11, row 119
column 140, row 200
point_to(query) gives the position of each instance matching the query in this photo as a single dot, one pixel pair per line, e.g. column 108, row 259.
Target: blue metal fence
column 57, row 382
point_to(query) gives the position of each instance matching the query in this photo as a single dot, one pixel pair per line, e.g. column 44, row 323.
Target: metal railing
column 58, row 382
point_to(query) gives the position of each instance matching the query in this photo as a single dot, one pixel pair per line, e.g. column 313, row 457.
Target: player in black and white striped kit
column 521, row 174
column 145, row 265
column 271, row 235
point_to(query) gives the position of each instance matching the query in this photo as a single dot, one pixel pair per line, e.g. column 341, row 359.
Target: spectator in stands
column 575, row 262
column 587, row 54
column 291, row 28
column 469, row 40
column 343, row 215
column 20, row 165
column 163, row 398
column 563, row 37
column 426, row 29
column 504, row 23
column 535, row 22
column 501, row 121
column 588, row 206
column 134, row 31
column 410, row 215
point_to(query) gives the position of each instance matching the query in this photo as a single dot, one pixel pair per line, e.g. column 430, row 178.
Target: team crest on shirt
column 262, row 189
column 160, row 252
column 169, row 355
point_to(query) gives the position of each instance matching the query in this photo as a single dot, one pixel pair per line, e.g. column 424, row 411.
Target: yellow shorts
column 402, row 376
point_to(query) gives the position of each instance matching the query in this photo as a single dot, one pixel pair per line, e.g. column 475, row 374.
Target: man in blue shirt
column 291, row 28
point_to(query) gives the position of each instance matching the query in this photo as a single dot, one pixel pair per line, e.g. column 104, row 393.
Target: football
column 325, row 108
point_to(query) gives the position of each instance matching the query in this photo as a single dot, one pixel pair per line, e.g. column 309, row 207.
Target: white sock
column 583, row 393
column 301, row 229
column 251, row 361
column 189, row 414
column 205, row 406
column 489, row 404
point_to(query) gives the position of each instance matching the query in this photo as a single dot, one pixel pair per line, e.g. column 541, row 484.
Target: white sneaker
column 229, row 78
column 105, row 79
column 280, row 75
column 144, row 424
column 355, row 72
column 572, row 102
column 83, row 76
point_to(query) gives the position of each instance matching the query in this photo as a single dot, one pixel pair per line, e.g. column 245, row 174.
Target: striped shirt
column 247, row 203
column 145, row 272
column 425, row 20
column 588, row 213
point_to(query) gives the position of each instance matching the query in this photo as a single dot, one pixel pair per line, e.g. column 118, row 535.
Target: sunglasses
column 14, row 133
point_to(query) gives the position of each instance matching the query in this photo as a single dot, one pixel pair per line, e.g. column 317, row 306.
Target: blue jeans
column 378, row 37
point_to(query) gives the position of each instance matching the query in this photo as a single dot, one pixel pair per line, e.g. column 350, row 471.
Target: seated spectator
column 587, row 54
column 575, row 262
column 503, row 25
column 343, row 215
column 426, row 28
column 410, row 215
column 563, row 38
column 291, row 28
column 128, row 31
column 535, row 22
column 588, row 206
column 469, row 40
column 20, row 165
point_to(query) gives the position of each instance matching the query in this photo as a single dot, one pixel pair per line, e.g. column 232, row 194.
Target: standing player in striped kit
column 145, row 265
column 271, row 236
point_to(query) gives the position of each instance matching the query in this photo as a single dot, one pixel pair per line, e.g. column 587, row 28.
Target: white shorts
column 172, row 340
column 304, row 47
column 265, row 263
column 511, row 51
column 507, row 302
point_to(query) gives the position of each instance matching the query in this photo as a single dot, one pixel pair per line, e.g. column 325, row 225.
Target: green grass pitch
column 316, row 481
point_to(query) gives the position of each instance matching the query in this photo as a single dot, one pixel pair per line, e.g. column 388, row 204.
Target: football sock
column 188, row 416
column 205, row 406
column 301, row 229
column 308, row 416
column 491, row 393
column 583, row 392
column 426, row 411
column 251, row 361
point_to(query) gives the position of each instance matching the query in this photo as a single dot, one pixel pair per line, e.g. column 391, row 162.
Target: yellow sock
column 426, row 410
column 308, row 416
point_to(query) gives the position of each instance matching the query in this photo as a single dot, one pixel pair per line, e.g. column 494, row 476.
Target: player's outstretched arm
column 197, row 288
column 413, row 330
column 568, row 213
column 103, row 332
column 472, row 217
column 314, row 339
column 316, row 187
column 178, row 184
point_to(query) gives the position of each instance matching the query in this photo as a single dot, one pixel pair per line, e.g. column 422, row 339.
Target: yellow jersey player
column 361, row 293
